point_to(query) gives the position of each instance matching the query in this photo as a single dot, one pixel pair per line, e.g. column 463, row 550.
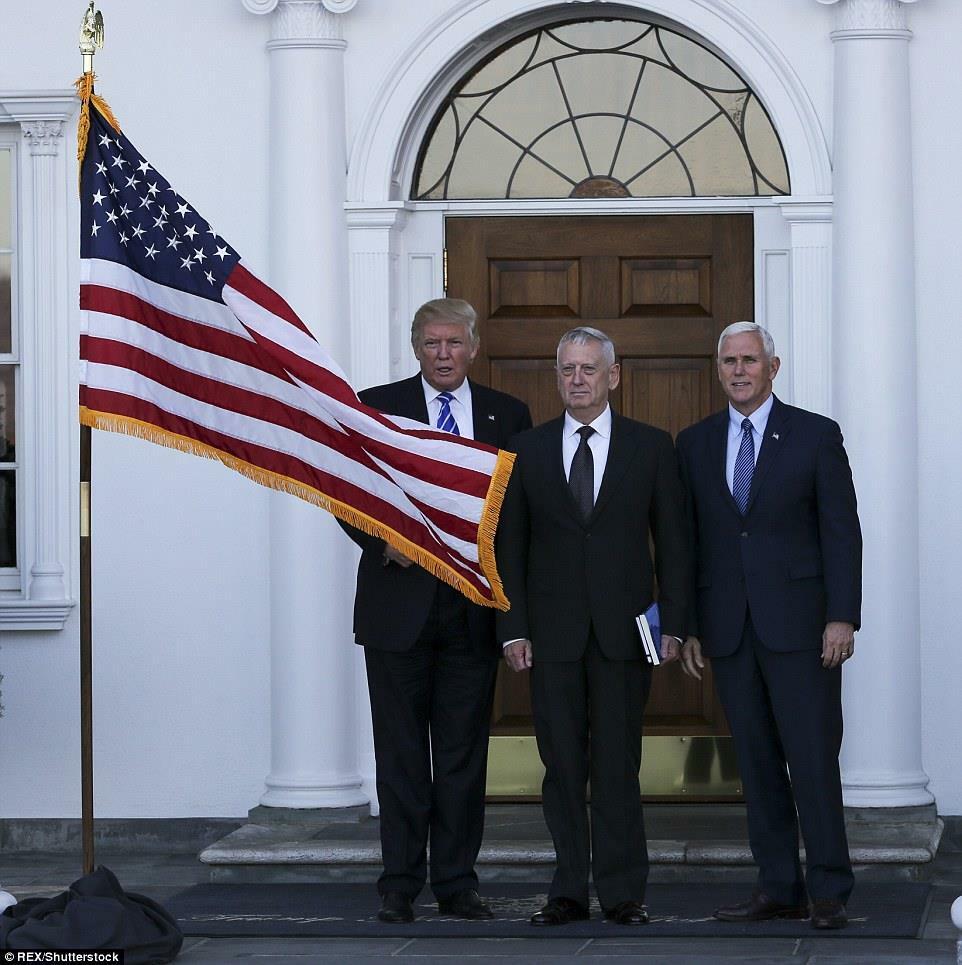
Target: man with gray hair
column 431, row 655
column 777, row 589
column 587, row 491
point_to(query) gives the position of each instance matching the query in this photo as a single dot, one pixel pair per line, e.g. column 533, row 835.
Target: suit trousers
column 431, row 710
column 785, row 714
column 588, row 719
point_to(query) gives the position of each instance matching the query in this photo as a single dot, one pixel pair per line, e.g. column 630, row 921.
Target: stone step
column 702, row 841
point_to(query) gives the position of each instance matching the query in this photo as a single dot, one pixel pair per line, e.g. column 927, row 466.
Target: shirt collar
column 462, row 393
column 759, row 418
column 601, row 425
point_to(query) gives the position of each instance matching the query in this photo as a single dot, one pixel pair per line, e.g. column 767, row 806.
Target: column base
column 874, row 790
column 329, row 797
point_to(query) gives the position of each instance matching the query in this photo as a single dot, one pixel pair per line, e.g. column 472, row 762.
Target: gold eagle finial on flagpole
column 91, row 36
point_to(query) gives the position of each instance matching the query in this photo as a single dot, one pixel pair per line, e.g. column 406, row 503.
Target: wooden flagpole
column 91, row 39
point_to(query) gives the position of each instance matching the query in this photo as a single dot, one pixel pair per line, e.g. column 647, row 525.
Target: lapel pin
column 775, row 436
column 491, row 417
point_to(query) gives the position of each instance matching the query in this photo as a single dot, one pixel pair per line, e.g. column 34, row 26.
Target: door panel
column 663, row 288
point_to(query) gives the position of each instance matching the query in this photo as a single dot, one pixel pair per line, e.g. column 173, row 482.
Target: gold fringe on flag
column 486, row 530
column 85, row 91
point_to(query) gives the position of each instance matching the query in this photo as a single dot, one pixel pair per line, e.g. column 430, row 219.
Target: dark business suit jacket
column 796, row 556
column 392, row 602
column 564, row 575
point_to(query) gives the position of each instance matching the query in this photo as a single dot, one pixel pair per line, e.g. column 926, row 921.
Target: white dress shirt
column 598, row 442
column 759, row 419
column 460, row 406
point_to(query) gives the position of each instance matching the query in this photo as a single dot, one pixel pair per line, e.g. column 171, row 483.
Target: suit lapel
column 773, row 442
column 553, row 465
column 718, row 456
column 621, row 449
column 483, row 415
column 411, row 401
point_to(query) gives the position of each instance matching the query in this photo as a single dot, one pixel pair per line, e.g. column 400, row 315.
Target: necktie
column 446, row 420
column 581, row 479
column 744, row 467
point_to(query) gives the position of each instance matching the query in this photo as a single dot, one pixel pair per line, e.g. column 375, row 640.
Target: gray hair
column 739, row 328
column 452, row 310
column 582, row 336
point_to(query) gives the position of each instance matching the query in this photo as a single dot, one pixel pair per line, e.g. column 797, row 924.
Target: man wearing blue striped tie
column 431, row 655
column 778, row 549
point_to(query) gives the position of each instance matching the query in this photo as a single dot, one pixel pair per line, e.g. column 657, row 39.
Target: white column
column 373, row 246
column 313, row 664
column 811, row 273
column 874, row 396
column 48, row 380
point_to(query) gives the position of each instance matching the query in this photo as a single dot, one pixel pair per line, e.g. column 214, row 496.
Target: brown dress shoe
column 465, row 904
column 628, row 913
column 559, row 911
column 760, row 908
column 828, row 914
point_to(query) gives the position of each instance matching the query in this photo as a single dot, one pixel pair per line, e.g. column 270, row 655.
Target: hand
column 391, row 555
column 838, row 643
column 692, row 661
column 669, row 648
column 518, row 655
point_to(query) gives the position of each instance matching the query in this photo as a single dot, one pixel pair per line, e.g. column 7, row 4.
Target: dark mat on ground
column 876, row 910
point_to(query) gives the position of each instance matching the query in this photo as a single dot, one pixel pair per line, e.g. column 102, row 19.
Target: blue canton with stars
column 131, row 215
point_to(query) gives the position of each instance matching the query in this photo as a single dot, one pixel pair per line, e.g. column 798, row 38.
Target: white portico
column 834, row 273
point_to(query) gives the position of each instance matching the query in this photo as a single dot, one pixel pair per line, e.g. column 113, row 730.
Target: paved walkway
column 161, row 875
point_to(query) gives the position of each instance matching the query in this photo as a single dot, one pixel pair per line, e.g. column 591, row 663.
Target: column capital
column 303, row 22
column 43, row 136
column 872, row 16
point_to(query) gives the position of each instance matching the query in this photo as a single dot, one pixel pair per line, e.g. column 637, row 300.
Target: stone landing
column 685, row 842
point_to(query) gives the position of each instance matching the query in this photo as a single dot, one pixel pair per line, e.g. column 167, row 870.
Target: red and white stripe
column 246, row 378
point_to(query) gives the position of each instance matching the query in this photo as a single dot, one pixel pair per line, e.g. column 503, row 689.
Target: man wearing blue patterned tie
column 431, row 655
column 778, row 553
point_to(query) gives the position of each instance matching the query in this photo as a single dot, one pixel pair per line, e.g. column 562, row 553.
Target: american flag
column 184, row 346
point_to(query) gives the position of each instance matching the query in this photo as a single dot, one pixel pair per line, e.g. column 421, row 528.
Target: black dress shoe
column 628, row 913
column 559, row 911
column 465, row 904
column 828, row 914
column 760, row 908
column 395, row 908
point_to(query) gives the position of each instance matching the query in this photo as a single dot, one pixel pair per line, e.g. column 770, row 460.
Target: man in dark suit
column 586, row 492
column 778, row 554
column 431, row 655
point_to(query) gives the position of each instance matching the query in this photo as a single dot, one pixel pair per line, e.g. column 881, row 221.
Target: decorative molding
column 269, row 6
column 887, row 15
column 34, row 615
column 298, row 21
column 43, row 136
column 43, row 601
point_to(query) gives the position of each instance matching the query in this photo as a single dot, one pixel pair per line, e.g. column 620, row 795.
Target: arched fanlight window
column 601, row 108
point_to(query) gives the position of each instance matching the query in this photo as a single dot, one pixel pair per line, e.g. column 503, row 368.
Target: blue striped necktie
column 446, row 420
column 744, row 467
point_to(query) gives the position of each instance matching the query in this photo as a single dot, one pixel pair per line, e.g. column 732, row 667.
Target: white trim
column 384, row 152
column 47, row 428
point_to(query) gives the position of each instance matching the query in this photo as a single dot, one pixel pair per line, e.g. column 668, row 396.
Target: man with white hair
column 778, row 557
column 590, row 491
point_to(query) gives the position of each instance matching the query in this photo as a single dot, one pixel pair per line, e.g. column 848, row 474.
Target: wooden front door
column 663, row 288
